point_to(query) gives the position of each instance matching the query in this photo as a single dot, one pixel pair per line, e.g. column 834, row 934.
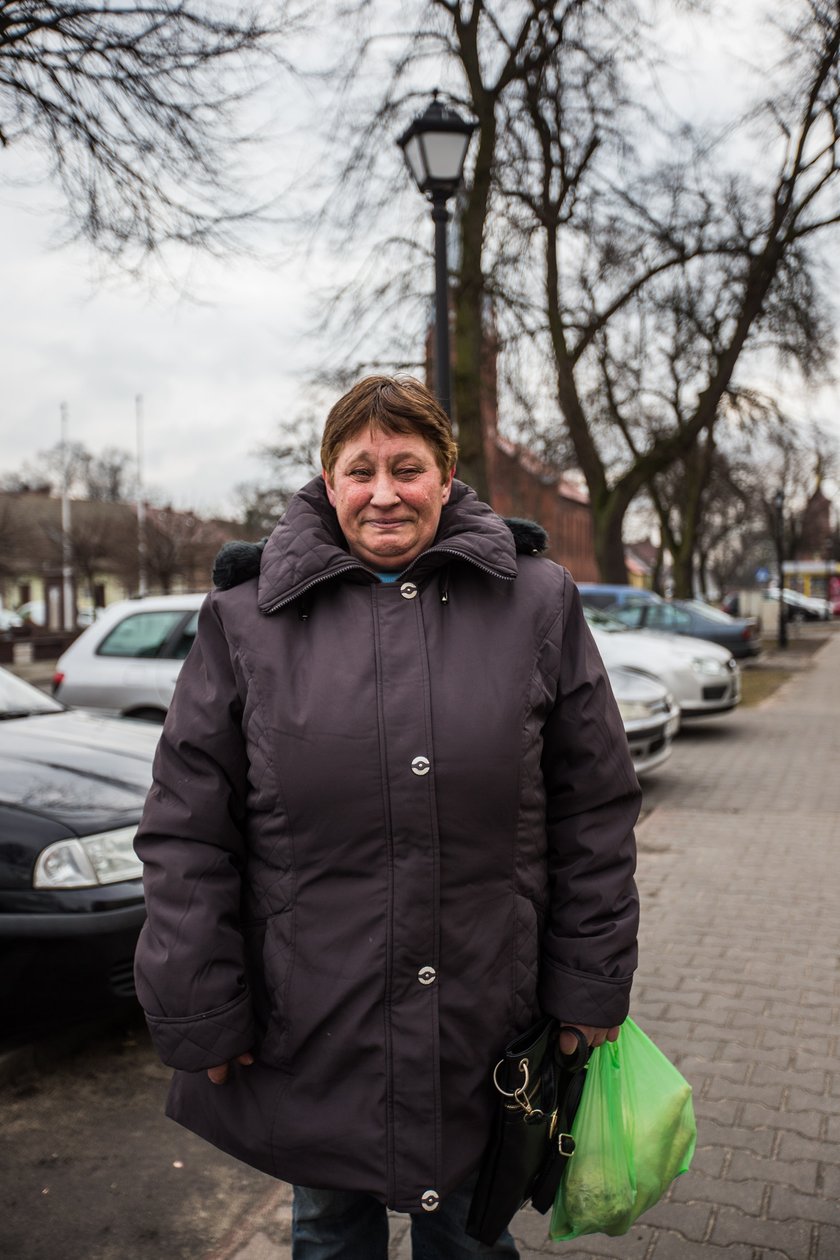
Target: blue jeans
column 344, row 1225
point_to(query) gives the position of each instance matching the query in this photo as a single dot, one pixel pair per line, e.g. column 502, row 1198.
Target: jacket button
column 408, row 590
column 427, row 975
column 430, row 1201
column 421, row 765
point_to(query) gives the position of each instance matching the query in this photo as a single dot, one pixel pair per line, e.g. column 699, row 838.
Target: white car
column 35, row 613
column 128, row 661
column 650, row 715
column 802, row 607
column 703, row 677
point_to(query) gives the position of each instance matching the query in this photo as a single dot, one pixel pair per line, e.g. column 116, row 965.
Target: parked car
column 703, row 677
column 740, row 635
column 802, row 607
column 650, row 715
column 614, row 594
column 9, row 620
column 72, row 787
column 128, row 661
column 34, row 613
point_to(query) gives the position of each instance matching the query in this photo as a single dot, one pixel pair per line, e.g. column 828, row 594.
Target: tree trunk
column 466, row 388
column 703, row 573
column 659, row 565
column 469, row 312
column 607, row 521
column 684, row 571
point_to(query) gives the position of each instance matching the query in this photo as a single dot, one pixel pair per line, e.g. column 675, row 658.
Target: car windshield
column 19, row 699
column 141, row 633
column 603, row 620
column 713, row 614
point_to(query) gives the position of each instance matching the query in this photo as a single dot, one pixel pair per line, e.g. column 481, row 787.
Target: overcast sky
column 217, row 376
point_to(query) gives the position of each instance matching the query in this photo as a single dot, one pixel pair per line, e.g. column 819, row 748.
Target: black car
column 72, row 787
column 741, row 635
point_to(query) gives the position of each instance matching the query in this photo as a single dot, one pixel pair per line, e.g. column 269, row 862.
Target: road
column 738, row 983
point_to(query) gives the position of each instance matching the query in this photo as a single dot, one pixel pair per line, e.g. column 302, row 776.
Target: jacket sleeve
column 592, row 804
column 189, row 963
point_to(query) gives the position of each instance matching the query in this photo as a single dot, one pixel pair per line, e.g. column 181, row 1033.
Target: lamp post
column 779, row 508
column 435, row 147
column 68, row 598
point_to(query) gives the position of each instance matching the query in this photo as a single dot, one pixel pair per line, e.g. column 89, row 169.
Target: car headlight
column 106, row 858
column 707, row 665
column 633, row 710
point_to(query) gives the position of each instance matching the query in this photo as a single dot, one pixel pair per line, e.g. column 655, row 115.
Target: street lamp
column 435, row 147
column 779, row 507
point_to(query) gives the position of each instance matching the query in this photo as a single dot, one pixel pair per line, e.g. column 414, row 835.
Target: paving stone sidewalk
column 739, row 984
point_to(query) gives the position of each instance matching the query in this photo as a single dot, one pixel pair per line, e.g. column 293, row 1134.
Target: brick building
column 520, row 485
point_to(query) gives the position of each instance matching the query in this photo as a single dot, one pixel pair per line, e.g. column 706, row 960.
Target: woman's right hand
column 594, row 1036
column 218, row 1075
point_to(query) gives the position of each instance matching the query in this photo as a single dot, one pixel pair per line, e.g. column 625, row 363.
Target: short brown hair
column 395, row 404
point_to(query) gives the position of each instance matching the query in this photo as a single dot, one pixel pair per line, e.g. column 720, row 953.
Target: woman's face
column 388, row 493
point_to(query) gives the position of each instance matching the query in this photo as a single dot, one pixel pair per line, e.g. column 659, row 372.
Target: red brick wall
column 520, row 487
column 517, row 491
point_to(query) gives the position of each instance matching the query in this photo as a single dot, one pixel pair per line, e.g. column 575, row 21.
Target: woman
column 391, row 823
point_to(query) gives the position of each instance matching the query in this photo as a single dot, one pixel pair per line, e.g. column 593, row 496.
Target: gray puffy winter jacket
column 390, row 824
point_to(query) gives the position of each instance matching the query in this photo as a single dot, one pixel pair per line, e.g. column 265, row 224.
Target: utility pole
column 779, row 506
column 142, row 583
column 67, row 599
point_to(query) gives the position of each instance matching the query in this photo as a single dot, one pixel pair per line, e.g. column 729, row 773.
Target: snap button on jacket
column 381, row 839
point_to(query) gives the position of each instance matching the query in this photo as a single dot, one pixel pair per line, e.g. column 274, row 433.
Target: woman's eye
column 408, row 472
column 359, row 474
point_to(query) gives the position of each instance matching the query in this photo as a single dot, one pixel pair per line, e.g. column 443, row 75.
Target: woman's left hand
column 219, row 1075
column 594, row 1036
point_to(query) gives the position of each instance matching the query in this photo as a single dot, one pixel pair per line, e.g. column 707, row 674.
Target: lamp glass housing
column 445, row 152
column 435, row 148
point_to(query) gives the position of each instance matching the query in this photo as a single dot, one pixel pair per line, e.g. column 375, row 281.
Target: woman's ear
column 447, row 486
column 330, row 491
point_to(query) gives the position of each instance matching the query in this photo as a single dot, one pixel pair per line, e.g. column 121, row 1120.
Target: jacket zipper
column 450, row 551
column 324, row 577
column 352, row 568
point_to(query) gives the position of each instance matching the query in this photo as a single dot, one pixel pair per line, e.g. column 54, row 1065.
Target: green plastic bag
column 634, row 1133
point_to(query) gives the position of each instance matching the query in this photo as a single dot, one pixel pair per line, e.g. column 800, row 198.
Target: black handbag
column 530, row 1146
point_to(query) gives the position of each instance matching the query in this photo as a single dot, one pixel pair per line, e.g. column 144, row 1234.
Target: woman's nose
column 384, row 491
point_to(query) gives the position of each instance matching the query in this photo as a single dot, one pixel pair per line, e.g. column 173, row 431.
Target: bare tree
column 487, row 48
column 10, row 536
column 134, row 106
column 730, row 265
column 179, row 545
column 102, row 536
column 108, row 477
column 616, row 269
column 738, row 530
column 288, row 463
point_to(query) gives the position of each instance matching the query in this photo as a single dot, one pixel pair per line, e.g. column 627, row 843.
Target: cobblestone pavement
column 739, row 983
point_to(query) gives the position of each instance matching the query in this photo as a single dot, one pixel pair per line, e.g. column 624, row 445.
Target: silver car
column 650, row 715
column 702, row 676
column 128, row 661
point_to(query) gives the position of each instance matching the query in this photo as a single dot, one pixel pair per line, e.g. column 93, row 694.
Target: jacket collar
column 307, row 547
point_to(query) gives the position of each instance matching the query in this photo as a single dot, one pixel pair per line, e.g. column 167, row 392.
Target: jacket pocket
column 269, row 954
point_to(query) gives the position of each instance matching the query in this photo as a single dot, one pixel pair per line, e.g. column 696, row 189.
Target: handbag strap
column 580, row 1055
column 570, row 1097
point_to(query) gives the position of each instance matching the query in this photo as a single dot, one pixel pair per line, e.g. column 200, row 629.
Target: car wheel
column 147, row 715
column 796, row 614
